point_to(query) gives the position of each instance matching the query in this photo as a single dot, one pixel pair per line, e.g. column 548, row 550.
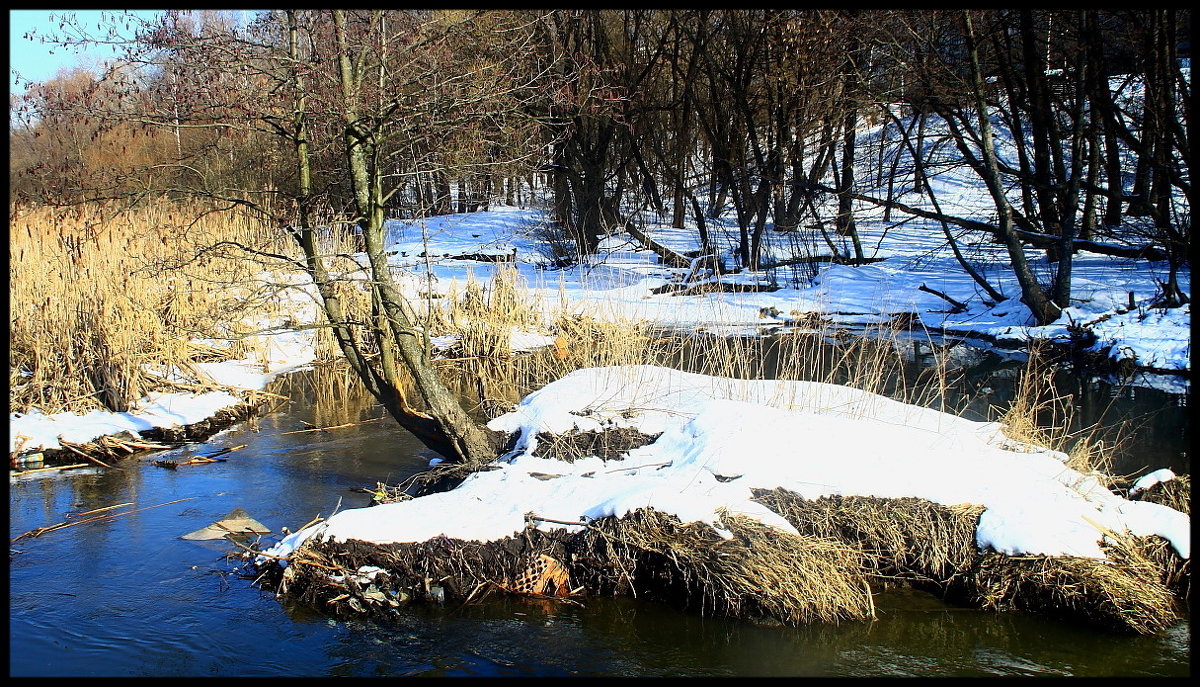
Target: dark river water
column 127, row 597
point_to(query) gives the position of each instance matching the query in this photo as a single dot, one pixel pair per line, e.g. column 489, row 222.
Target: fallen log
column 958, row 306
column 675, row 289
column 669, row 256
column 808, row 259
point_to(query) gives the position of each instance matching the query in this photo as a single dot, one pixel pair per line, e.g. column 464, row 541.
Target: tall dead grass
column 102, row 295
column 878, row 359
column 1041, row 415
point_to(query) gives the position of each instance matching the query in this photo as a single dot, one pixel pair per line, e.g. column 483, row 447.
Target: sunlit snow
column 722, row 438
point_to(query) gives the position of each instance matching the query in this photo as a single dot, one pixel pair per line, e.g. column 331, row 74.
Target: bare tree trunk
column 845, row 217
column 1044, row 310
column 446, row 427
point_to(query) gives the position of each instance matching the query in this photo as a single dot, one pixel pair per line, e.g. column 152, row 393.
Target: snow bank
column 37, row 431
column 722, row 437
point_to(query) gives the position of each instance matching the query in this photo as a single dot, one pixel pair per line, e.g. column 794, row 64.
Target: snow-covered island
column 717, row 439
column 717, row 443
column 714, row 442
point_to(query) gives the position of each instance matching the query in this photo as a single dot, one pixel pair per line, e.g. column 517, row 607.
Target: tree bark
column 445, row 427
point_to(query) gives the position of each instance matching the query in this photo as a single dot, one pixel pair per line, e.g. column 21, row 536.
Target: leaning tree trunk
column 444, row 426
column 1044, row 310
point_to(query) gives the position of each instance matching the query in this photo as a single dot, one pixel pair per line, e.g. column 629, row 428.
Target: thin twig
column 37, row 532
column 317, row 429
column 100, row 510
column 285, row 559
column 638, row 467
column 57, row 467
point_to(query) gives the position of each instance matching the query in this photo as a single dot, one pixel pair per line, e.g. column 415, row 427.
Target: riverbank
column 190, row 615
column 914, row 283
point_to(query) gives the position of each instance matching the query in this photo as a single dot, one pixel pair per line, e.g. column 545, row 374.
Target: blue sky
column 37, row 61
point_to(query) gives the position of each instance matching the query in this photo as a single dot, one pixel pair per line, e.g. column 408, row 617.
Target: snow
column 618, row 285
column 721, row 438
column 35, row 430
column 1150, row 479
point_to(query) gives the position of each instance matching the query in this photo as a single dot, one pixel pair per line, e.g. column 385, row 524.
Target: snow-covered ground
column 810, row 438
column 619, row 284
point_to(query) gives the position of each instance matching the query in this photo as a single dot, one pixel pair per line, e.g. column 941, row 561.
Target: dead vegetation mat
column 610, row 444
column 845, row 547
column 932, row 546
column 1174, row 493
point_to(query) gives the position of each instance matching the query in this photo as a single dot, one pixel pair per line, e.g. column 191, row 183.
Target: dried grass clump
column 1123, row 595
column 820, row 575
column 590, row 342
column 907, row 539
column 933, row 547
column 483, row 317
column 758, row 572
column 1176, row 572
column 611, row 444
column 1174, row 493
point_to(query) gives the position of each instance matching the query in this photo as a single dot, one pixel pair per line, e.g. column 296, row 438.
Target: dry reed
column 904, row 539
column 1123, row 594
column 105, row 299
column 757, row 572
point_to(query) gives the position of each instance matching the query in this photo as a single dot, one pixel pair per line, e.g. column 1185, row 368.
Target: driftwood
column 348, row 424
column 808, row 259
column 200, row 460
column 37, row 532
column 49, row 469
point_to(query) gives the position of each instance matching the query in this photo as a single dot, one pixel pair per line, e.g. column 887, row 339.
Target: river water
column 127, row 597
